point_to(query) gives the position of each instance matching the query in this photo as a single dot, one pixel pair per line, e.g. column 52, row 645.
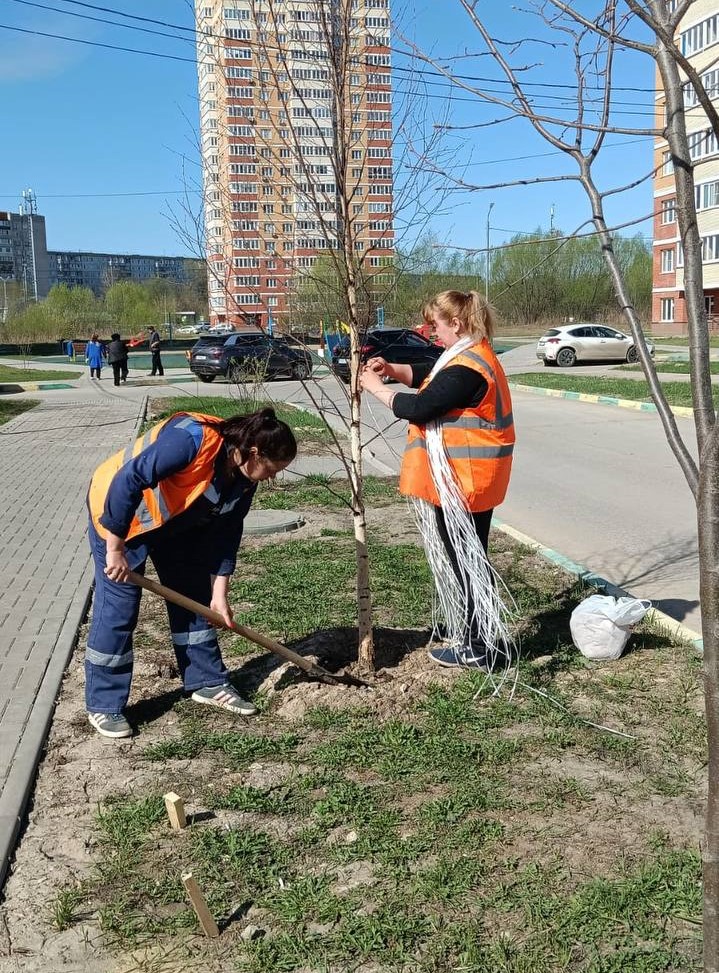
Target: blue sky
column 88, row 127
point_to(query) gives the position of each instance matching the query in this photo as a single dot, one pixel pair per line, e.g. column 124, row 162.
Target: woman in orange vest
column 178, row 496
column 456, row 469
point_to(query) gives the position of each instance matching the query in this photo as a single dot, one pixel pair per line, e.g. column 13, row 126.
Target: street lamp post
column 488, row 258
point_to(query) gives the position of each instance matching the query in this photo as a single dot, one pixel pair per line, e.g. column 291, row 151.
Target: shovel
column 310, row 669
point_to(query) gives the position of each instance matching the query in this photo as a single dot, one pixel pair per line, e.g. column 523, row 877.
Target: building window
column 667, row 261
column 706, row 195
column 667, row 309
column 709, row 304
column 669, row 211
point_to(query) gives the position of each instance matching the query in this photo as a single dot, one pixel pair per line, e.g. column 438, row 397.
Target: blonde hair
column 473, row 311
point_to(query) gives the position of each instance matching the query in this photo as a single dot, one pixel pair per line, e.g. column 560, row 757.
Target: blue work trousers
column 182, row 564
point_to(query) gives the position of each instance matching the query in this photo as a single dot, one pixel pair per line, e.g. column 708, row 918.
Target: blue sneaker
column 459, row 657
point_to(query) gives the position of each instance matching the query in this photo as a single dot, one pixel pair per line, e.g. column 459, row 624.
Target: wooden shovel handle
column 212, row 616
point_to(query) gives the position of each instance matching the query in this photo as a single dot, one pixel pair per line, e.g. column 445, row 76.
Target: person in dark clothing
column 117, row 357
column 456, row 469
column 179, row 497
column 155, row 349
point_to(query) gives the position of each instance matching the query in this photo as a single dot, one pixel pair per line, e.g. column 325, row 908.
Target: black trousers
column 157, row 368
column 119, row 370
column 482, row 522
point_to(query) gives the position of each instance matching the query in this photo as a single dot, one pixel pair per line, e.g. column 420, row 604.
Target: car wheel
column 633, row 355
column 207, row 378
column 301, row 371
column 566, row 357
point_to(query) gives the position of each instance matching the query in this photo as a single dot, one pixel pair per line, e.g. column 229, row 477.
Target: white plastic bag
column 601, row 625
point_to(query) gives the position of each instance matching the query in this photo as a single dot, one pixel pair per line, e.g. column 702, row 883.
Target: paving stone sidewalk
column 46, row 458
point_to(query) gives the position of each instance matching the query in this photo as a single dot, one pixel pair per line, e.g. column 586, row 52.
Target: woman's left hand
column 221, row 605
column 370, row 381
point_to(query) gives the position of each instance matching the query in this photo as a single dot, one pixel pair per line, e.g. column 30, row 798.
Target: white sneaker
column 224, row 697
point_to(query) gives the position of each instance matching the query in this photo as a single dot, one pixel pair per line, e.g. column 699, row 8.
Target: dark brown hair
column 272, row 438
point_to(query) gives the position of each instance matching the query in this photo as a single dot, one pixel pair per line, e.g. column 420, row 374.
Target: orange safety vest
column 172, row 495
column 479, row 441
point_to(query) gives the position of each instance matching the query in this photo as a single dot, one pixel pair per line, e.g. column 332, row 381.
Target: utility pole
column 488, row 258
column 4, row 308
column 551, row 218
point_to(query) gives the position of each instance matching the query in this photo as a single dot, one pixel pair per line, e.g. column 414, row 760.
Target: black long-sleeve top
column 453, row 387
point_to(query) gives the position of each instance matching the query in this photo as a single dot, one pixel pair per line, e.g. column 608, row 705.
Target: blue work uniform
column 186, row 551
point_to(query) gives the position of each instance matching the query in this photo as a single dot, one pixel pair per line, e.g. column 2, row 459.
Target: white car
column 572, row 343
column 187, row 329
column 220, row 329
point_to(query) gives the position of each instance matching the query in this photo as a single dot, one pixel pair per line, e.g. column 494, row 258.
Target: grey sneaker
column 112, row 725
column 225, row 697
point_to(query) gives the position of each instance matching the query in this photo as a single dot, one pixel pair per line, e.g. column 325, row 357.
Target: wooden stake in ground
column 175, row 811
column 204, row 916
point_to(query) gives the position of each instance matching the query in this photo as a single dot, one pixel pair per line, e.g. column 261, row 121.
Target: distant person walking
column 94, row 354
column 155, row 348
column 117, row 357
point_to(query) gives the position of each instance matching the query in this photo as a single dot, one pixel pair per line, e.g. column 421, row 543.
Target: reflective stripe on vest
column 477, row 440
column 504, row 419
column 466, row 452
column 170, row 496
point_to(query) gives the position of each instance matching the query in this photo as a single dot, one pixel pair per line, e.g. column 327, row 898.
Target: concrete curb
column 20, row 782
column 674, row 628
column 678, row 410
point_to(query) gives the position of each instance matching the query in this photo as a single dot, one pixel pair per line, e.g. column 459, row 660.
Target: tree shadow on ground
column 547, row 633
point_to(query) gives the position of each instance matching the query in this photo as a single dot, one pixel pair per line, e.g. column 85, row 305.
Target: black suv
column 400, row 346
column 247, row 355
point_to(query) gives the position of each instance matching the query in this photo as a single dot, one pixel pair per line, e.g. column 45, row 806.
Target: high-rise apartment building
column 23, row 249
column 274, row 124
column 698, row 40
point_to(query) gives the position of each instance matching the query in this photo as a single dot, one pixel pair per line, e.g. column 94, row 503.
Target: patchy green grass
column 677, row 393
column 8, row 373
column 682, row 340
column 427, row 824
column 10, row 409
column 316, row 490
column 672, row 367
column 309, row 428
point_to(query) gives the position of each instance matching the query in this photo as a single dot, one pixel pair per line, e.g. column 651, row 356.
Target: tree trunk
column 708, row 533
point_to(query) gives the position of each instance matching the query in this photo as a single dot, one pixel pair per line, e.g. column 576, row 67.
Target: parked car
column 245, row 354
column 221, row 329
column 187, row 329
column 569, row 344
column 400, row 346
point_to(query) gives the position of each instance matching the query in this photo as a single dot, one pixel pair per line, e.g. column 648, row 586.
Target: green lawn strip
column 308, row 427
column 457, row 831
column 316, row 490
column 8, row 373
column 681, row 340
column 677, row 393
column 672, row 367
column 8, row 410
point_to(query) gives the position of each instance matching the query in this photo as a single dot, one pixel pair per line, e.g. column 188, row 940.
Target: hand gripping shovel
column 310, row 669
